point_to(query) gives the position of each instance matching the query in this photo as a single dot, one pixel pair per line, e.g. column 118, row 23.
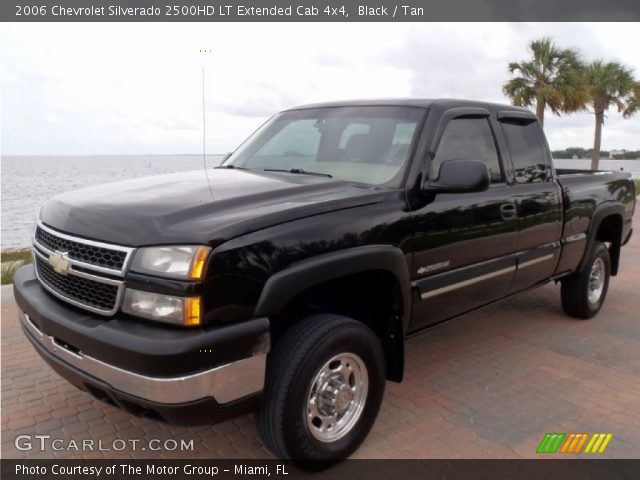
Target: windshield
column 360, row 144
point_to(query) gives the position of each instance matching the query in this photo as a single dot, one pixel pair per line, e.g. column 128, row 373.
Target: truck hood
column 179, row 208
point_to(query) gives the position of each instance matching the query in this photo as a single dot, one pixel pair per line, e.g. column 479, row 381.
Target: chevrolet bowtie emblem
column 60, row 262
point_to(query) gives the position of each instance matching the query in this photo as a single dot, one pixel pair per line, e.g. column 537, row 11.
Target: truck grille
column 78, row 290
column 91, row 254
column 84, row 273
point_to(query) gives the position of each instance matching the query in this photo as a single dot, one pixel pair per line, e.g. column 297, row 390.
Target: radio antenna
column 204, row 137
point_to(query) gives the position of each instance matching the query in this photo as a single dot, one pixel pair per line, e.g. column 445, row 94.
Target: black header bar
column 123, row 469
column 319, row 10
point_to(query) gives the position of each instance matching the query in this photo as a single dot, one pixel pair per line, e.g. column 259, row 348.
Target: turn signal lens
column 192, row 312
column 199, row 262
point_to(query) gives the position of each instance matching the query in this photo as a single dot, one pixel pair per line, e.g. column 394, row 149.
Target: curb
column 7, row 294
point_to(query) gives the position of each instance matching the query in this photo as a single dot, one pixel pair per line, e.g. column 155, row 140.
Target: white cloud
column 136, row 88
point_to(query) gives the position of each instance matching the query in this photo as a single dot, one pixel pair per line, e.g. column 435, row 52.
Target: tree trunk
column 540, row 106
column 597, row 140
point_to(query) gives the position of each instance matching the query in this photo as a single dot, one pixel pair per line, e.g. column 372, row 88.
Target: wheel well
column 610, row 231
column 373, row 298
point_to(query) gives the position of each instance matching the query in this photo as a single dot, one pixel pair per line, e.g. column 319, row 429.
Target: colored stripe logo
column 574, row 442
column 598, row 443
column 550, row 443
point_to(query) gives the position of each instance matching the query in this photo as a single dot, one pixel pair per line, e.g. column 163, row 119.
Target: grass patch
column 637, row 187
column 12, row 260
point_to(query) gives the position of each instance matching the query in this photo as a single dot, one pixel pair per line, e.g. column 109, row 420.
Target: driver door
column 463, row 243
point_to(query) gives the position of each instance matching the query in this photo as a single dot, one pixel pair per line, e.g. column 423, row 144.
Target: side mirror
column 459, row 176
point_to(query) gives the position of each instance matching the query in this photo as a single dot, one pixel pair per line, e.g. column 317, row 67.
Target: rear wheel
column 325, row 383
column 583, row 293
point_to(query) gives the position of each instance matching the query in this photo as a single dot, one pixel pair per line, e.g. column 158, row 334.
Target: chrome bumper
column 225, row 383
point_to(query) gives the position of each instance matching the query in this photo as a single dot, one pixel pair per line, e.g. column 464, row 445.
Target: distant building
column 617, row 153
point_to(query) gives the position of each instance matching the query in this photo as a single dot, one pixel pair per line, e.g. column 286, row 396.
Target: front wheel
column 325, row 383
column 583, row 293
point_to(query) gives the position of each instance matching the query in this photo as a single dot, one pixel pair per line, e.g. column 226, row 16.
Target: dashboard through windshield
column 364, row 144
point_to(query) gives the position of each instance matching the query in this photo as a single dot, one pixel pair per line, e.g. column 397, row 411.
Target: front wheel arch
column 317, row 275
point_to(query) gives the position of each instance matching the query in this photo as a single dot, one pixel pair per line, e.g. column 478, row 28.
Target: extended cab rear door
column 463, row 244
column 537, row 197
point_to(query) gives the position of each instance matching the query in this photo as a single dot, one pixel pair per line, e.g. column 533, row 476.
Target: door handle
column 508, row 211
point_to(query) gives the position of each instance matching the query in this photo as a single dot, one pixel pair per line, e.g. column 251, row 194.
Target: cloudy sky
column 77, row 89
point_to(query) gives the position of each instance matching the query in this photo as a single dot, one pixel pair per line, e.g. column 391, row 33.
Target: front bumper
column 80, row 350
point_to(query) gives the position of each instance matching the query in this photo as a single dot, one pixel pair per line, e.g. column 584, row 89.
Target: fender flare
column 286, row 284
column 600, row 213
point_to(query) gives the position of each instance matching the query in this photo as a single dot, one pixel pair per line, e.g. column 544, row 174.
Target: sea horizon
column 29, row 180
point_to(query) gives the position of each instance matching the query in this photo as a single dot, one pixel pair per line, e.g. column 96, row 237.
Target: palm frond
column 551, row 76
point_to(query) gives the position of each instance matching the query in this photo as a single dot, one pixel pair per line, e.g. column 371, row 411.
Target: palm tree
column 609, row 83
column 633, row 103
column 551, row 78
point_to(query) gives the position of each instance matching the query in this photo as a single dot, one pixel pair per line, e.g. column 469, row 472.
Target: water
column 28, row 181
column 632, row 166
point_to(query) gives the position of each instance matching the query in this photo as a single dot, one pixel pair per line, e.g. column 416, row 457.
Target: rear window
column 527, row 153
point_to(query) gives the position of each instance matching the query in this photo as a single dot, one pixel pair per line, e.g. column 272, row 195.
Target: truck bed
column 587, row 186
column 587, row 195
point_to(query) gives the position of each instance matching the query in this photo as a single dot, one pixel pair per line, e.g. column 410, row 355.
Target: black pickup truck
column 287, row 279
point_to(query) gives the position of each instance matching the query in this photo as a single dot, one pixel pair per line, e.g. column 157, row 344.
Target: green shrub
column 12, row 260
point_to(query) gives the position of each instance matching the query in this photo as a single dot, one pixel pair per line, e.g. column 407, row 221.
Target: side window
column 527, row 153
column 468, row 139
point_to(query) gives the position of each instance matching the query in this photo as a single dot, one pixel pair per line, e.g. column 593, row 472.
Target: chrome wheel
column 337, row 397
column 596, row 281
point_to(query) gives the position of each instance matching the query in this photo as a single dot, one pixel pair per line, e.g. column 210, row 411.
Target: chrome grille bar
column 128, row 251
column 65, row 288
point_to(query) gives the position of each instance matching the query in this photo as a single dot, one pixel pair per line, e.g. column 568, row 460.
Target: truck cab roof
column 440, row 103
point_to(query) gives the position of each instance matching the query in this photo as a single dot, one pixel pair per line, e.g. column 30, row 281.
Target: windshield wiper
column 231, row 167
column 298, row 171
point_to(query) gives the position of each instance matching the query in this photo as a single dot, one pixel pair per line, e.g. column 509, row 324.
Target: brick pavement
column 488, row 385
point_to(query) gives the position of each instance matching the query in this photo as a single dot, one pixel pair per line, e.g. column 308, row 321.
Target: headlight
column 163, row 308
column 184, row 262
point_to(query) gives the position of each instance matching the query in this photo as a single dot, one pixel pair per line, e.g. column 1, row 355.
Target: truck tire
column 583, row 293
column 324, row 386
